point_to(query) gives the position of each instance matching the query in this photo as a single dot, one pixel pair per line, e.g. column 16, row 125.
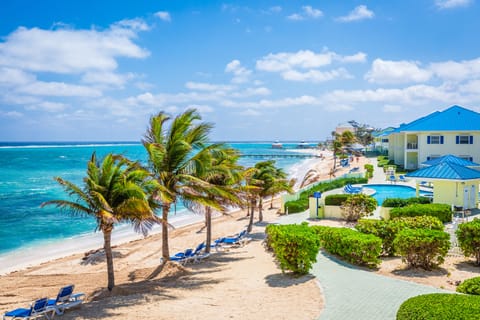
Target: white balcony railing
column 412, row 145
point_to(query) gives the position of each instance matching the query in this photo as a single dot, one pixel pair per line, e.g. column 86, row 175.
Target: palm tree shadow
column 285, row 280
column 95, row 257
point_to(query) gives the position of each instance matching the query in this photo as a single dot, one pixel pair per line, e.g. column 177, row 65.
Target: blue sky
column 259, row 70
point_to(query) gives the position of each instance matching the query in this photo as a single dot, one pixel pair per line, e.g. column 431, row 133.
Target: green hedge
column 440, row 306
column 353, row 246
column 336, row 199
column 295, row 246
column 470, row 286
column 296, row 206
column 422, row 248
column 399, row 202
column 468, row 235
column 387, row 230
column 301, row 204
column 369, row 169
column 441, row 211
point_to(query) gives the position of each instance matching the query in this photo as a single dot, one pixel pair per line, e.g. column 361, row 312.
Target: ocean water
column 26, row 180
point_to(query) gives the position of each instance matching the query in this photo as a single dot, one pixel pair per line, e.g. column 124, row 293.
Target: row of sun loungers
column 47, row 308
column 191, row 255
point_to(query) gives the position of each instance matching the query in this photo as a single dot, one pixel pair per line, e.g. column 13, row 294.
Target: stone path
column 351, row 293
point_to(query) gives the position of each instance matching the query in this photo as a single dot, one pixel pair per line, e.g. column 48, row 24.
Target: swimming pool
column 384, row 191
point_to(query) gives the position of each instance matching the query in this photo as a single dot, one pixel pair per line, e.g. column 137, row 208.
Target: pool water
column 384, row 191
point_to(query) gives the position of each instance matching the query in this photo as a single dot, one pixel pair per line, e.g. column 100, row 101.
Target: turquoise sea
column 26, row 180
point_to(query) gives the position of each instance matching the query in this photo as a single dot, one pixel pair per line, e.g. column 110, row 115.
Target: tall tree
column 177, row 157
column 114, row 190
column 224, row 175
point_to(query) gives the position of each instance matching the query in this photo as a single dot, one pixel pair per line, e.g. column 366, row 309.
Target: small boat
column 277, row 145
column 303, row 145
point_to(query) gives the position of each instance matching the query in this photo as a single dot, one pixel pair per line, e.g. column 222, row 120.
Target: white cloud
column 203, row 86
column 240, row 73
column 449, row 4
column 358, row 57
column 11, row 76
column 359, row 13
column 58, row 89
column 68, row 51
column 395, row 72
column 307, row 13
column 163, row 15
column 11, row 114
column 201, row 108
column 331, row 107
column 48, row 106
column 275, row 9
column 250, row 112
column 315, row 75
column 249, row 92
column 107, row 78
column 392, row 108
column 453, row 70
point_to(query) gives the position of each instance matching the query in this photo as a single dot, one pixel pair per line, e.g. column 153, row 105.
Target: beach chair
column 239, row 240
column 392, row 179
column 199, row 253
column 66, row 299
column 402, row 178
column 351, row 189
column 37, row 309
column 181, row 257
column 217, row 244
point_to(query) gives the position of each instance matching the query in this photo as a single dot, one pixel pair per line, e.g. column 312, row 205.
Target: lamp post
column 317, row 195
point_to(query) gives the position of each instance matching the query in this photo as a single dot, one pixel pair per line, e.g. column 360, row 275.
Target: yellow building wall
column 452, row 192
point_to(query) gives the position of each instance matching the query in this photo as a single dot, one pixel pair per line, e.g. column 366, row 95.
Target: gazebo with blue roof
column 453, row 184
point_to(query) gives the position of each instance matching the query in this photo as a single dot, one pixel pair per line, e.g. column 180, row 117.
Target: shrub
column 441, row 211
column 336, row 199
column 357, row 206
column 470, row 286
column 353, row 246
column 369, row 170
column 422, row 248
column 301, row 204
column 295, row 246
column 387, row 230
column 468, row 235
column 296, row 206
column 440, row 306
column 399, row 202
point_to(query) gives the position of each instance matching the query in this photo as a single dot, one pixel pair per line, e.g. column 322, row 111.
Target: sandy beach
column 236, row 283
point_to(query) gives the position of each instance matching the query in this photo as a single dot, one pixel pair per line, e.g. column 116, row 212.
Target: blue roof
column 451, row 159
column 447, row 171
column 455, row 118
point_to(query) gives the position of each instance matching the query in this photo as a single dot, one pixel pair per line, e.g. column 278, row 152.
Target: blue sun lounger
column 37, row 309
column 65, row 299
column 239, row 240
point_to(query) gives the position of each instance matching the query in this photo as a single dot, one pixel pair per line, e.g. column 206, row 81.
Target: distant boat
column 303, row 145
column 277, row 145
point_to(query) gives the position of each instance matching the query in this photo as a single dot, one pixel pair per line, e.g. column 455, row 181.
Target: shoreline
column 44, row 252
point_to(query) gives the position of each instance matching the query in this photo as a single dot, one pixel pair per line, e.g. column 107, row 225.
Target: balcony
column 412, row 145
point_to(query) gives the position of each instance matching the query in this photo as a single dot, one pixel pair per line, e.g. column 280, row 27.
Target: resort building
column 455, row 131
column 380, row 139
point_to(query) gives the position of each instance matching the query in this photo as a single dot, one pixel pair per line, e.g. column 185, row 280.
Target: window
column 464, row 139
column 433, row 156
column 469, row 158
column 385, row 140
column 434, row 139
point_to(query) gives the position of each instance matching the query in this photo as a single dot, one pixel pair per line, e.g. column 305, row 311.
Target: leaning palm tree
column 114, row 190
column 224, row 175
column 177, row 157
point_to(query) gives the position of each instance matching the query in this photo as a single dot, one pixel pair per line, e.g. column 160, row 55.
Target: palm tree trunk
column 260, row 209
column 107, row 247
column 271, row 203
column 208, row 222
column 165, row 250
column 250, row 223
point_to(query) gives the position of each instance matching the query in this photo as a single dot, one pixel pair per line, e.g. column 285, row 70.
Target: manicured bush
column 441, row 211
column 387, row 230
column 369, row 170
column 440, row 306
column 296, row 206
column 470, row 286
column 468, row 235
column 295, row 246
column 353, row 246
column 357, row 206
column 422, row 248
column 336, row 199
column 399, row 202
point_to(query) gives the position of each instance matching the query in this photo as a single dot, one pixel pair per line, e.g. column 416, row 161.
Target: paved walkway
column 351, row 293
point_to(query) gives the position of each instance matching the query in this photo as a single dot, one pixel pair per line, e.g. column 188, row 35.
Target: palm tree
column 224, row 176
column 114, row 190
column 177, row 157
column 269, row 181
